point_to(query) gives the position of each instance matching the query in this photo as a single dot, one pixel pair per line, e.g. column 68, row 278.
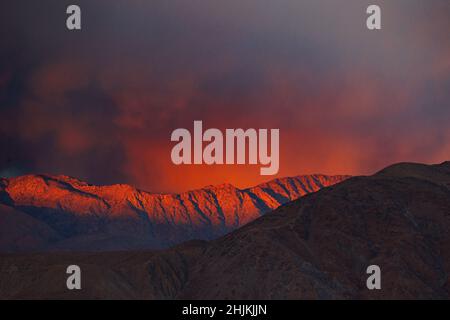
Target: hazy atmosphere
column 100, row 104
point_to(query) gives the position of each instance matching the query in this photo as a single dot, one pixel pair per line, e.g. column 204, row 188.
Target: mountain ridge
column 316, row 247
column 121, row 216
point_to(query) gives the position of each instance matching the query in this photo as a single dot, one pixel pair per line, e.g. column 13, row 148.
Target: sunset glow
column 101, row 106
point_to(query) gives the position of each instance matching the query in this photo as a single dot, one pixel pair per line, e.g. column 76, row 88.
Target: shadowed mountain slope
column 317, row 247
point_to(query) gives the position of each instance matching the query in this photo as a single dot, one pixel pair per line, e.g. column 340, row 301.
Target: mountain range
column 54, row 213
column 316, row 247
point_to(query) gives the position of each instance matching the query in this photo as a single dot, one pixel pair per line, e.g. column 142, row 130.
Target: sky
column 100, row 104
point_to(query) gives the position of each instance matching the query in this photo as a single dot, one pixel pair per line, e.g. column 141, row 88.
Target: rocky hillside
column 316, row 247
column 41, row 212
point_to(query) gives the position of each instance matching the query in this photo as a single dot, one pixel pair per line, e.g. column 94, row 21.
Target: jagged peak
column 126, row 190
column 46, row 178
column 302, row 178
column 203, row 212
column 222, row 186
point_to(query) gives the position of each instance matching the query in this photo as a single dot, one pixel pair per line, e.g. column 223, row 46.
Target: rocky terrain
column 41, row 212
column 316, row 247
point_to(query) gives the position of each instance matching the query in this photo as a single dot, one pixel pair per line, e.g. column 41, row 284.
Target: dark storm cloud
column 100, row 103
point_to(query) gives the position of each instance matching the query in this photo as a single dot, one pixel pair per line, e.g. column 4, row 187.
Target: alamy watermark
column 235, row 151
